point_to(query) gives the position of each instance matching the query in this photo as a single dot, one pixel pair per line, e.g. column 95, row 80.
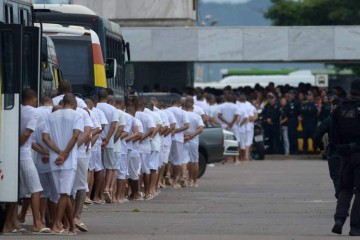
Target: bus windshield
column 76, row 63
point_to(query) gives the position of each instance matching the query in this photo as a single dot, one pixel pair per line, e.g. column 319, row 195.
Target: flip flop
column 107, row 197
column 82, row 227
column 12, row 232
column 44, row 230
column 62, row 232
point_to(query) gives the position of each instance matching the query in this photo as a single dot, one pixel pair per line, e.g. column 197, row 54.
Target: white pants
column 154, row 160
column 191, row 151
column 241, row 138
column 145, row 163
column 285, row 136
column 29, row 179
column 176, row 153
column 134, row 165
column 123, row 165
column 249, row 137
column 96, row 158
column 80, row 182
column 49, row 188
column 64, row 181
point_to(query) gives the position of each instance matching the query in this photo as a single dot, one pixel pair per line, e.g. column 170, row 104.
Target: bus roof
column 71, row 30
column 66, row 8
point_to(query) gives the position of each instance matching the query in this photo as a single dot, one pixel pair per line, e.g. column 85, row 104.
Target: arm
column 118, row 133
column 235, row 119
column 147, row 134
column 65, row 154
column 198, row 131
column 25, row 136
column 220, row 116
column 170, row 129
column 156, row 130
column 94, row 139
column 133, row 136
column 39, row 149
column 109, row 135
column 50, row 144
column 84, row 137
column 183, row 128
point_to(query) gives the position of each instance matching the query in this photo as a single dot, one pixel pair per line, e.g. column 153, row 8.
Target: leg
column 99, row 179
column 25, row 207
column 10, row 219
column 175, row 174
column 90, row 184
column 78, row 207
column 43, row 209
column 60, row 210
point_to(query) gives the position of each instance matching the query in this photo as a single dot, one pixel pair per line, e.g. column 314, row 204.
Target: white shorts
column 49, row 189
column 123, row 165
column 154, row 160
column 97, row 161
column 29, row 179
column 80, row 182
column 135, row 163
column 249, row 137
column 241, row 138
column 64, row 181
column 176, row 153
column 165, row 156
column 145, row 163
column 117, row 158
column 109, row 159
column 192, row 152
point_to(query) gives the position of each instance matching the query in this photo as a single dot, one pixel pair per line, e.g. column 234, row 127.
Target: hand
column 269, row 121
column 60, row 160
column 230, row 126
column 104, row 143
column 299, row 118
column 45, row 159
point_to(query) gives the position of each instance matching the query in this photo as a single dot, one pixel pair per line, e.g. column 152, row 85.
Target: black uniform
column 334, row 159
column 292, row 113
column 346, row 125
column 325, row 111
column 309, row 111
column 272, row 131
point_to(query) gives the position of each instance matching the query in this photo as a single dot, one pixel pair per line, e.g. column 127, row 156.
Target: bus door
column 14, row 40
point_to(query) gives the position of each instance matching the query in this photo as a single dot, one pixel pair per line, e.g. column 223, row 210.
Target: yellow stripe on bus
column 100, row 76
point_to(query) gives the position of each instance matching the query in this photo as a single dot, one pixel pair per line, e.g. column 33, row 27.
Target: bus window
column 7, row 59
column 24, row 17
column 9, row 14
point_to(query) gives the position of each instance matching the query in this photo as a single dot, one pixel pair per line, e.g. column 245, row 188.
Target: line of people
column 96, row 151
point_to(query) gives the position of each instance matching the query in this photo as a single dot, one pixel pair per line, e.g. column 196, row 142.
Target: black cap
column 355, row 87
column 271, row 95
column 293, row 92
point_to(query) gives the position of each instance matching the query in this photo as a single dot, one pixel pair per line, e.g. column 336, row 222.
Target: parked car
column 231, row 146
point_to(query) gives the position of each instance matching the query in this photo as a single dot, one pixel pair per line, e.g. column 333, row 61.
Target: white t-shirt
column 172, row 120
column 134, row 146
column 199, row 110
column 44, row 112
column 181, row 119
column 213, row 112
column 29, row 120
column 195, row 121
column 111, row 115
column 38, row 138
column 147, row 123
column 203, row 105
column 80, row 103
column 103, row 121
column 228, row 111
column 251, row 113
column 156, row 141
column 87, row 123
column 60, row 126
column 127, row 129
column 122, row 122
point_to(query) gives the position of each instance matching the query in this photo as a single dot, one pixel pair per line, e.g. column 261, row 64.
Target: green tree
column 316, row 13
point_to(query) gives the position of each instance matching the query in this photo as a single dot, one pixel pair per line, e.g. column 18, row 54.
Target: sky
column 226, row 1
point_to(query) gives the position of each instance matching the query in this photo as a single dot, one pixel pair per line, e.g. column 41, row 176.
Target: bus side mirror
column 44, row 50
column 129, row 74
column 110, row 68
column 127, row 46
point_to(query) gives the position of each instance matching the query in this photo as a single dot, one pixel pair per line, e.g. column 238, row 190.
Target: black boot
column 354, row 232
column 339, row 223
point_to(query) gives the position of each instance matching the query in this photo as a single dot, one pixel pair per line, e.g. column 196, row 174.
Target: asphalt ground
column 288, row 199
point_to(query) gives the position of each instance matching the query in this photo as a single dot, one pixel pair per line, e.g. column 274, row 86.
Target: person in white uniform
column 133, row 144
column 177, row 147
column 64, row 88
column 62, row 131
column 253, row 115
column 121, row 150
column 80, row 186
column 107, row 145
column 97, row 158
column 30, row 184
column 155, row 143
column 145, row 144
column 95, row 150
column 191, row 148
column 241, row 133
column 42, row 162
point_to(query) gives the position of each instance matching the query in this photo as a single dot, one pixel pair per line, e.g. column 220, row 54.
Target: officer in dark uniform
column 309, row 112
column 346, row 136
column 271, row 123
column 292, row 113
column 334, row 159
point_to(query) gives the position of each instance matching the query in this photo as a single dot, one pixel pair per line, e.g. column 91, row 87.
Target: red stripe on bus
column 98, row 57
